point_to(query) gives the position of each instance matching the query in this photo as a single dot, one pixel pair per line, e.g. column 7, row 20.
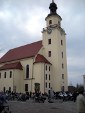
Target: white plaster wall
column 56, row 58
column 6, row 82
column 18, row 80
column 54, row 19
column 39, row 75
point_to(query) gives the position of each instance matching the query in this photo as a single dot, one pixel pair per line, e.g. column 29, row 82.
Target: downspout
column 13, row 80
column 44, row 77
column 32, row 73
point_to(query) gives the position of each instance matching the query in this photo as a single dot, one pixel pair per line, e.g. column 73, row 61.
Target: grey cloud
column 75, row 79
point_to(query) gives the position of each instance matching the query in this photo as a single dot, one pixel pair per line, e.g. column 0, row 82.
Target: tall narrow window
column 49, row 76
column 46, row 67
column 46, row 76
column 26, row 87
column 5, row 75
column 49, row 85
column 0, row 75
column 49, row 41
column 27, row 71
column 62, row 54
column 10, row 74
column 46, row 84
column 61, row 42
column 49, row 68
column 49, row 53
column 62, row 65
column 62, row 76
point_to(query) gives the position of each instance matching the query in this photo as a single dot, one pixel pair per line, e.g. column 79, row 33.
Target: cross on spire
column 52, row 1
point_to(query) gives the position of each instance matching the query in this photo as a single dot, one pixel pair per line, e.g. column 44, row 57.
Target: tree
column 79, row 86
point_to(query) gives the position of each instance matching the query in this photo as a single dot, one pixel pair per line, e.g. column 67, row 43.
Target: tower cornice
column 49, row 15
column 53, row 27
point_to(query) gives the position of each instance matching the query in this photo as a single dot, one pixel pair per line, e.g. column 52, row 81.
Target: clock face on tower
column 49, row 30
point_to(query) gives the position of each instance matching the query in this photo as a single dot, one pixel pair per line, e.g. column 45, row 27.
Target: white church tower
column 54, row 44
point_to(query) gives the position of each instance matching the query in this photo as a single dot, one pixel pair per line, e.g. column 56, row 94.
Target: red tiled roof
column 41, row 58
column 16, row 65
column 22, row 52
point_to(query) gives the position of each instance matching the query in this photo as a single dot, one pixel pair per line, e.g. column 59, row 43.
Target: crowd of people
column 65, row 96
column 39, row 97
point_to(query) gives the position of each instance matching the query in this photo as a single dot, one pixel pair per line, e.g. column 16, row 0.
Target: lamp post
column 84, row 81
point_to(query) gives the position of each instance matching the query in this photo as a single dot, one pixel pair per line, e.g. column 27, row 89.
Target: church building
column 40, row 65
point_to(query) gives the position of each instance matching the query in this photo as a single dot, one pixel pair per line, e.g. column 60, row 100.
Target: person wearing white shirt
column 81, row 102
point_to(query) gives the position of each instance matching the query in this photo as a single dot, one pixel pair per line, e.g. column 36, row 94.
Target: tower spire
column 53, row 7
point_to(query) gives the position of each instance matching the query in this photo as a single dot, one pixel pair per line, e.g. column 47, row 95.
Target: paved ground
column 31, row 107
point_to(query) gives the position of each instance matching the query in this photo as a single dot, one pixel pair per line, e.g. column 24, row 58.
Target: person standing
column 81, row 101
column 51, row 96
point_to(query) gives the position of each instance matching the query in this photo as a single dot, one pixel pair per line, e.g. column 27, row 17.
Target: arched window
column 46, row 84
column 27, row 71
column 49, row 76
column 46, row 76
column 49, row 85
column 49, row 53
column 10, row 74
column 46, row 67
column 5, row 75
column 50, row 21
column 59, row 23
column 49, row 68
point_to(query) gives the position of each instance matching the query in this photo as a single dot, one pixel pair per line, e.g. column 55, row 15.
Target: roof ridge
column 25, row 45
column 25, row 51
column 41, row 58
column 14, row 65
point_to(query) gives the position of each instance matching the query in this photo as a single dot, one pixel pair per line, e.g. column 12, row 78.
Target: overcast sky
column 21, row 22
